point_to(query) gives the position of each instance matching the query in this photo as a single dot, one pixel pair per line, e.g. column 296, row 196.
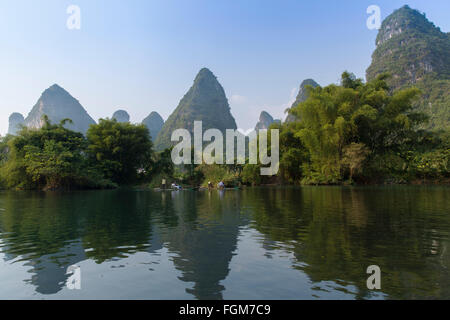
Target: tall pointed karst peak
column 409, row 47
column 57, row 104
column 301, row 96
column 205, row 73
column 54, row 90
column 154, row 123
column 56, row 87
column 415, row 53
column 405, row 20
column 155, row 115
column 205, row 101
column 206, row 82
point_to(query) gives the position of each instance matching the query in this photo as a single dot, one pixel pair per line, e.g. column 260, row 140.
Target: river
column 255, row 243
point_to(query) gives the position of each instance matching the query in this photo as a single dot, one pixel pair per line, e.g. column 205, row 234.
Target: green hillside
column 416, row 53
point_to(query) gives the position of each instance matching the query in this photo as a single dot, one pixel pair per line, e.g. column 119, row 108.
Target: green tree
column 163, row 163
column 354, row 156
column 50, row 157
column 122, row 151
column 4, row 149
column 335, row 116
column 53, row 163
column 293, row 154
column 251, row 174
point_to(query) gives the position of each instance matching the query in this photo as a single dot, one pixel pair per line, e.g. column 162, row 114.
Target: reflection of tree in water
column 118, row 224
column 339, row 232
column 167, row 217
column 204, row 239
column 38, row 228
column 50, row 231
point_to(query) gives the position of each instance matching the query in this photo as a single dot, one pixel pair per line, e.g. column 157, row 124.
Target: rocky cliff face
column 410, row 47
column 154, row 123
column 58, row 104
column 121, row 116
column 16, row 120
column 205, row 101
column 415, row 52
column 301, row 97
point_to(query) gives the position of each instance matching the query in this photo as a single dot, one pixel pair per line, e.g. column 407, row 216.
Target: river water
column 256, row 243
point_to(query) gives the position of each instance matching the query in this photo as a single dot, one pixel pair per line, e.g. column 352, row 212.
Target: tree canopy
column 120, row 150
column 54, row 157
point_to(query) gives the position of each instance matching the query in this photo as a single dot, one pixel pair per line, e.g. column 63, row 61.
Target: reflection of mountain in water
column 50, row 271
column 52, row 231
column 204, row 239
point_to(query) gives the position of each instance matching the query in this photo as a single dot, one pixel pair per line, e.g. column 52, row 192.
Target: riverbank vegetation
column 361, row 132
column 54, row 157
column 354, row 132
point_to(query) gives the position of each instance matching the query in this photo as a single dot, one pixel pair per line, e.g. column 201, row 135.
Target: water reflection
column 328, row 234
column 204, row 239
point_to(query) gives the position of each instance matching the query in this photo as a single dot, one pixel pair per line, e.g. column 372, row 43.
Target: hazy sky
column 142, row 56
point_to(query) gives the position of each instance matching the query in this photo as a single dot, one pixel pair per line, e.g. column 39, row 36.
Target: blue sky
column 143, row 55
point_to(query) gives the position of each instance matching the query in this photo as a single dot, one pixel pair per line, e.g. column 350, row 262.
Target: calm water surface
column 259, row 243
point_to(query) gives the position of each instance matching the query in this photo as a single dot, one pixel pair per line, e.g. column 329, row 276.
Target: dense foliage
column 120, row 150
column 54, row 157
column 358, row 131
column 355, row 132
column 51, row 157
